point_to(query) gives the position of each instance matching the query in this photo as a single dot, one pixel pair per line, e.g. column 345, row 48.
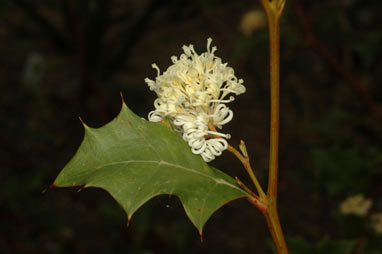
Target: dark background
column 63, row 59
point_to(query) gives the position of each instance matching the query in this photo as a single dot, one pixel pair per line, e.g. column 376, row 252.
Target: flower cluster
column 376, row 222
column 357, row 205
column 193, row 93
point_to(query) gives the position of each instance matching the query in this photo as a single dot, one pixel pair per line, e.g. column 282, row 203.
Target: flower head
column 376, row 222
column 251, row 21
column 357, row 205
column 193, row 93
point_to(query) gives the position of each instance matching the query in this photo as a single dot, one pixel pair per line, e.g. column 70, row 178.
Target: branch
column 97, row 24
column 273, row 10
column 134, row 31
column 220, row 32
column 311, row 40
column 44, row 23
column 90, row 81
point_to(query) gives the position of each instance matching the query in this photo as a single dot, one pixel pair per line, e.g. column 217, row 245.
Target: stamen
column 227, row 136
column 157, row 68
column 223, row 101
column 228, row 90
column 207, row 155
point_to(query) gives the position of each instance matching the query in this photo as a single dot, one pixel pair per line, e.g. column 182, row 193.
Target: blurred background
column 64, row 59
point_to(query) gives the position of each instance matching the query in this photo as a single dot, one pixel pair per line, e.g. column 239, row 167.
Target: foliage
column 136, row 160
column 297, row 245
column 40, row 129
column 339, row 167
column 336, row 162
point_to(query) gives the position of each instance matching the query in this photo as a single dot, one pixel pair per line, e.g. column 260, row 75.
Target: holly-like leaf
column 136, row 160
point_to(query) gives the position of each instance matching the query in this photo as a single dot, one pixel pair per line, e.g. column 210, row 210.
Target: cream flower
column 357, row 205
column 193, row 93
column 252, row 20
column 376, row 222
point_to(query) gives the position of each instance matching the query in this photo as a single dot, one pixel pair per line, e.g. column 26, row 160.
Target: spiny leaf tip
column 83, row 123
column 49, row 187
column 82, row 187
column 128, row 220
column 123, row 100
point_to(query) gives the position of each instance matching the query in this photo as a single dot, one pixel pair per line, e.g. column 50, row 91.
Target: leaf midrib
column 162, row 162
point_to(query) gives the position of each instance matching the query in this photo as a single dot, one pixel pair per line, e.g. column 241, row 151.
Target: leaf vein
column 161, row 162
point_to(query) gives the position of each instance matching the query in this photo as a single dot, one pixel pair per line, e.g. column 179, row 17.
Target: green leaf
column 136, row 160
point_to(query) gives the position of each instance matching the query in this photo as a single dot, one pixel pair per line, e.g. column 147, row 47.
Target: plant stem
column 242, row 185
column 267, row 203
column 273, row 10
column 248, row 168
column 274, row 226
column 244, row 160
column 274, row 42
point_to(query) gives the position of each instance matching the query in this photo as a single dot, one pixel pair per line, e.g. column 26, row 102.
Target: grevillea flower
column 357, row 205
column 376, row 222
column 193, row 93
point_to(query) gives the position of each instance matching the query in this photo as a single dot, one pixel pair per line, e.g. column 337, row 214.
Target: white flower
column 251, row 21
column 376, row 222
column 357, row 205
column 193, row 93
